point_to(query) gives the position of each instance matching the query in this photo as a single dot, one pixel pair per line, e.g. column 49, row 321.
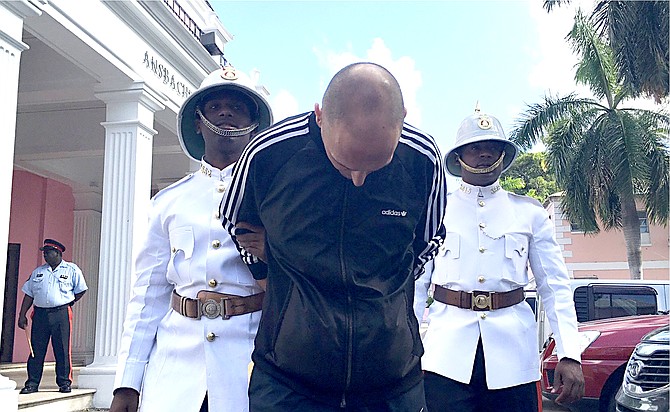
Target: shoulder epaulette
column 173, row 185
column 527, row 199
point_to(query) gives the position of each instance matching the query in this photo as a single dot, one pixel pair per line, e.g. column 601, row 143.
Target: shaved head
column 361, row 119
column 363, row 86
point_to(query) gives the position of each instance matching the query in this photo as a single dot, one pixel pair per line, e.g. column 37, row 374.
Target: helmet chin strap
column 225, row 132
column 489, row 169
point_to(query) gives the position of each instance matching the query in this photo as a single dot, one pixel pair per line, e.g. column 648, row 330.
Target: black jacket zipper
column 350, row 326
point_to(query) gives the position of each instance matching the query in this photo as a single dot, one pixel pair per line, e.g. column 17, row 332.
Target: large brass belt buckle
column 211, row 309
column 481, row 301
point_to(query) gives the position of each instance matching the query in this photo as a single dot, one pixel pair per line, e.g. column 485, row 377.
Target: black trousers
column 53, row 324
column 267, row 394
column 447, row 395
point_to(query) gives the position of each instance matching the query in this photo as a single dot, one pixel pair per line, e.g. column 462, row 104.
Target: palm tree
column 604, row 156
column 637, row 31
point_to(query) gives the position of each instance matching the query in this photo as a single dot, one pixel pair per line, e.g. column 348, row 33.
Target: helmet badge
column 484, row 122
column 229, row 73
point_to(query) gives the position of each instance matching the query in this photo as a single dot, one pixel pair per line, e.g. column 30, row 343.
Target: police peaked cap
column 478, row 128
column 53, row 244
column 225, row 78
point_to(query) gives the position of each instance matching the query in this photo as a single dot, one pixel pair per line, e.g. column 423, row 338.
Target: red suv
column 606, row 347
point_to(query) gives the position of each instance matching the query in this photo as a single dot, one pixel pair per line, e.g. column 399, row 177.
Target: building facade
column 90, row 92
column 603, row 255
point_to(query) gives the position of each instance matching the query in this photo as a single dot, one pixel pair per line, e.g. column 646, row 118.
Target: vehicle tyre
column 608, row 394
column 611, row 402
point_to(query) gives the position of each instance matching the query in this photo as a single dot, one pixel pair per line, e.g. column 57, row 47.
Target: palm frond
column 590, row 189
column 595, row 156
column 531, row 125
column 595, row 68
column 637, row 32
column 550, row 4
column 653, row 137
column 600, row 18
column 577, row 195
column 560, row 149
column 610, row 212
column 563, row 140
column 626, row 157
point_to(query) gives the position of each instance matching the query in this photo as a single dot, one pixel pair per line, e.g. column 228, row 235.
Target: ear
column 405, row 112
column 198, row 124
column 318, row 113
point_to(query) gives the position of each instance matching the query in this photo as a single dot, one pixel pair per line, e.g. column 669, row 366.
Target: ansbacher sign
column 162, row 72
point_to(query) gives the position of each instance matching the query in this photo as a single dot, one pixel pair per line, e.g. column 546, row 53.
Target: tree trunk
column 631, row 235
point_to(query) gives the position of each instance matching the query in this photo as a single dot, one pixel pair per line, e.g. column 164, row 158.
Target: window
column 645, row 237
column 611, row 301
column 614, row 305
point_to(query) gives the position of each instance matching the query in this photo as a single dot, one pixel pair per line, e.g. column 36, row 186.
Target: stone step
column 48, row 399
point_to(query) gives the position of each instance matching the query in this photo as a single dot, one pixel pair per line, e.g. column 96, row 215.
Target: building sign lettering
column 163, row 73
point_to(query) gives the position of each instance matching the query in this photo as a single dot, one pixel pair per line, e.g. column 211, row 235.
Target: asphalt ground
column 550, row 406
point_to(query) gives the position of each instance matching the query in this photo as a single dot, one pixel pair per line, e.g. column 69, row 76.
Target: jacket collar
column 479, row 192
column 210, row 171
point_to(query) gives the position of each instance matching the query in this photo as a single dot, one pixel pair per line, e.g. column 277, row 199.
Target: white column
column 11, row 47
column 125, row 200
column 86, row 254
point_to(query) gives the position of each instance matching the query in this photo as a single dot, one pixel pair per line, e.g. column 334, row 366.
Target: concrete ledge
column 50, row 400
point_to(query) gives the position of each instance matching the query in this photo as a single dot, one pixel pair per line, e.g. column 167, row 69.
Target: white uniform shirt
column 187, row 250
column 492, row 236
column 51, row 288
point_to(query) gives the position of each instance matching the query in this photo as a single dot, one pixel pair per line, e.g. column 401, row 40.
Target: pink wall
column 41, row 208
column 607, row 250
column 611, row 247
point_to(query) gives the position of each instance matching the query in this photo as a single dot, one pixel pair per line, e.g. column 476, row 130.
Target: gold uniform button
column 174, row 249
column 481, row 279
column 483, row 315
column 211, row 336
column 482, row 225
column 481, row 203
column 212, row 282
column 481, row 250
column 216, row 244
column 221, row 187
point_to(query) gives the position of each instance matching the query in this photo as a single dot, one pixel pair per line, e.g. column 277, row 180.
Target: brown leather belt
column 213, row 304
column 478, row 300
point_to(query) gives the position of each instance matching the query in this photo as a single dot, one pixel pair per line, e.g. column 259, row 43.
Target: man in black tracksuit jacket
column 352, row 206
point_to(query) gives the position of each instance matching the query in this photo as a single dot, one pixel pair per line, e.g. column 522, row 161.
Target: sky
column 447, row 55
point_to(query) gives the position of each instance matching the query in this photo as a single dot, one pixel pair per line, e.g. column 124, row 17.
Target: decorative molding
column 134, row 92
column 647, row 264
column 22, row 8
column 17, row 45
column 62, row 29
column 148, row 21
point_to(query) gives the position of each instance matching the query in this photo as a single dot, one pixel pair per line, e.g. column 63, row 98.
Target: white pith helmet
column 224, row 78
column 476, row 128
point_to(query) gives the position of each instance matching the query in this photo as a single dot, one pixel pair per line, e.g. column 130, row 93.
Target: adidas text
column 390, row 212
